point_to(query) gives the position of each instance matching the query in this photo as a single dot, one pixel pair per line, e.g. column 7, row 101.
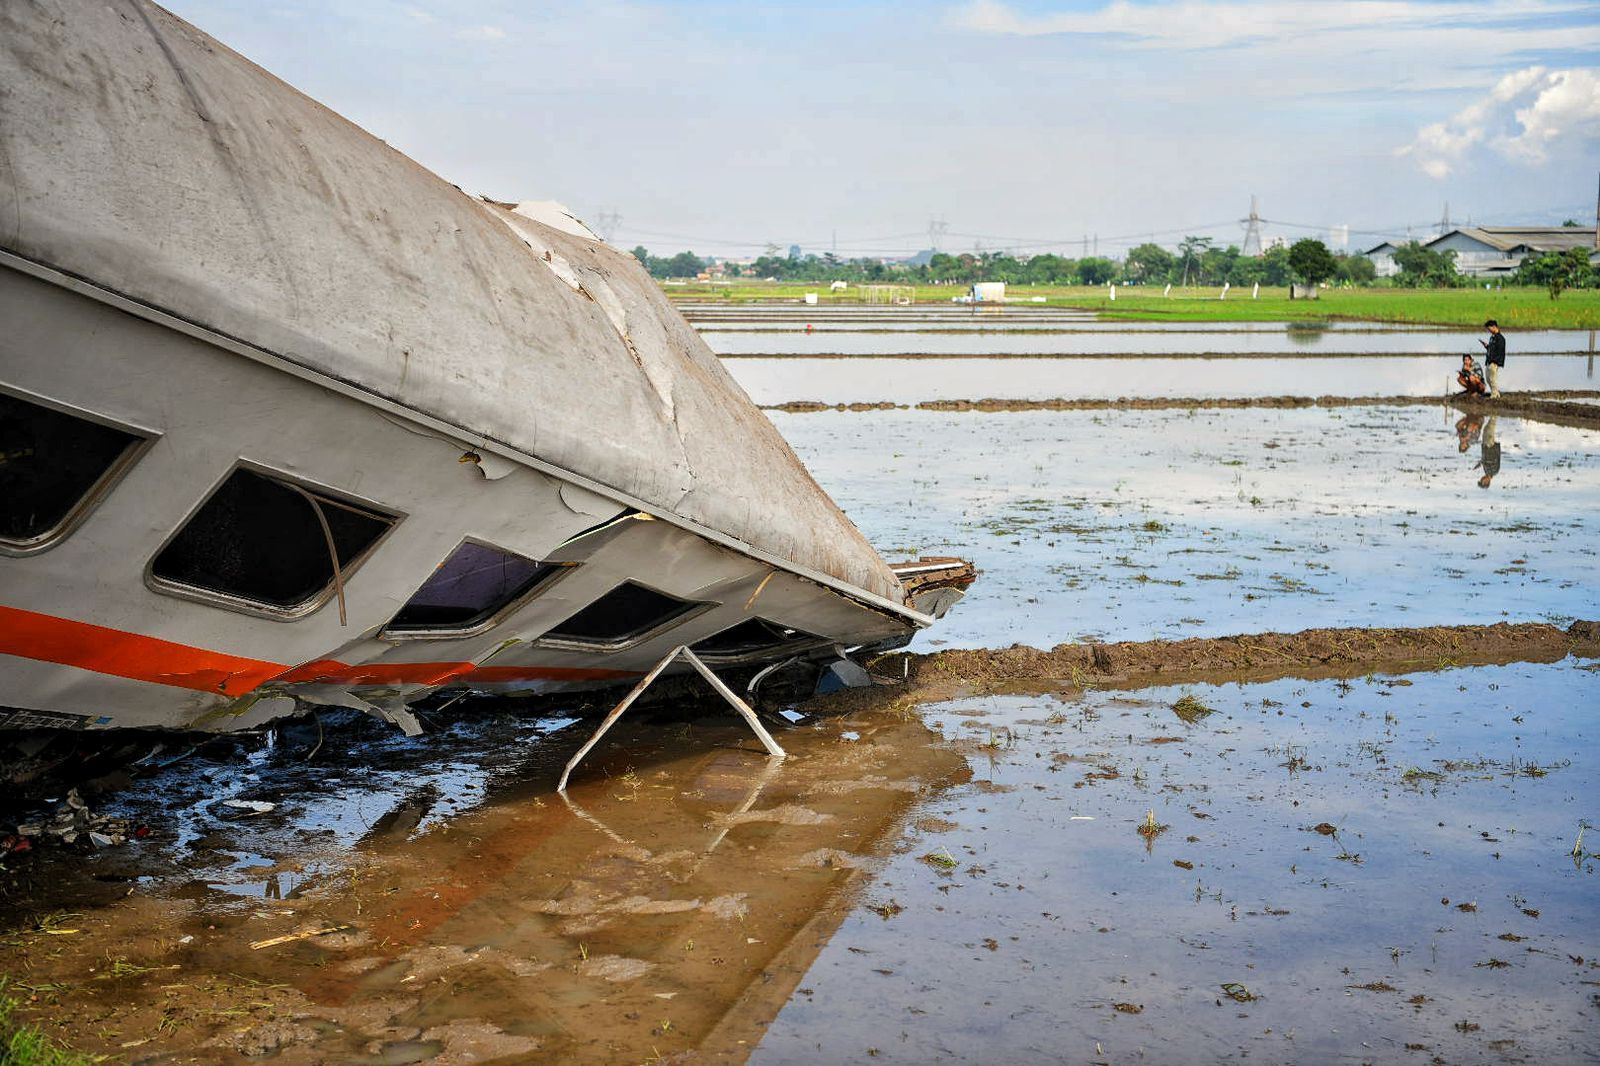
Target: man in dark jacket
column 1495, row 347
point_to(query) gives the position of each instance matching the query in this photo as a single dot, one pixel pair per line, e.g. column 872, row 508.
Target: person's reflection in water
column 1467, row 429
column 1490, row 460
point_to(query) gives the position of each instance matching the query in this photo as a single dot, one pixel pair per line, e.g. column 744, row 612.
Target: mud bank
column 1311, row 653
column 1544, row 406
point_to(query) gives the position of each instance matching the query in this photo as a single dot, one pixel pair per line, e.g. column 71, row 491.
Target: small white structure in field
column 838, row 286
column 985, row 292
column 1168, row 290
column 1255, row 293
column 1226, row 285
column 811, row 299
column 1113, row 294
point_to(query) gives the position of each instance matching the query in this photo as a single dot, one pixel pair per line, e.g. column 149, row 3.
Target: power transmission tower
column 607, row 221
column 937, row 227
column 1252, row 231
column 1444, row 223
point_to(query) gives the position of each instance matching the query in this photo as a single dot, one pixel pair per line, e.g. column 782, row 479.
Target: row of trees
column 1197, row 261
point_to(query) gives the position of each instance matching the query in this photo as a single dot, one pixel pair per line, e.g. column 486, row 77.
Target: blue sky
column 721, row 127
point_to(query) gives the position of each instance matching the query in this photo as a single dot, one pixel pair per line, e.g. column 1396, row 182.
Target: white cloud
column 1523, row 117
column 481, row 33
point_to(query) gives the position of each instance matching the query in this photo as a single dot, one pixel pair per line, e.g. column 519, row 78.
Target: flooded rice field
column 1383, row 869
column 1138, row 524
column 780, row 380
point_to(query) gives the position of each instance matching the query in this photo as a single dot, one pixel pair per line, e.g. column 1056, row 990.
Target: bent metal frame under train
column 286, row 419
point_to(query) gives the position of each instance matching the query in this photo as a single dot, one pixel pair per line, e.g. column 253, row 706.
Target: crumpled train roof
column 142, row 155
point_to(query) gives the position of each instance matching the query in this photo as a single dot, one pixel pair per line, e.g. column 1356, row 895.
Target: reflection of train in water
column 287, row 419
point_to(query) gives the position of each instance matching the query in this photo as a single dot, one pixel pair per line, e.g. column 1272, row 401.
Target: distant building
column 1492, row 251
column 1383, row 258
column 1495, row 251
column 794, row 251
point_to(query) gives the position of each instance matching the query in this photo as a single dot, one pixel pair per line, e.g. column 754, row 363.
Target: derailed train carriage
column 287, row 420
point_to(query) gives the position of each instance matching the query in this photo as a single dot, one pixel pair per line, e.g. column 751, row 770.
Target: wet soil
column 1255, row 656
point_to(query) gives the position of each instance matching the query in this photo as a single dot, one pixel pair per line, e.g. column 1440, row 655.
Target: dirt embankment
column 1547, row 407
column 1254, row 657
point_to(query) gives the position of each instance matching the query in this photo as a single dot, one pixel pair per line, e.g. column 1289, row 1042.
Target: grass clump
column 25, row 1045
column 1190, row 709
column 1150, row 828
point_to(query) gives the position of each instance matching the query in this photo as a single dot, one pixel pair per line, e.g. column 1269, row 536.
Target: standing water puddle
column 1296, row 871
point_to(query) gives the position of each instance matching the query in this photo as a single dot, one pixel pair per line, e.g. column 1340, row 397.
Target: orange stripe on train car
column 47, row 638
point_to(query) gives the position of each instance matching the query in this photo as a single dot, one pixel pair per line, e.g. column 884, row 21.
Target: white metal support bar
column 680, row 652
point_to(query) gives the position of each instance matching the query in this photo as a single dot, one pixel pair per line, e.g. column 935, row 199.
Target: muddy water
column 1370, row 871
column 909, row 381
column 1132, row 525
column 433, row 900
column 1228, row 341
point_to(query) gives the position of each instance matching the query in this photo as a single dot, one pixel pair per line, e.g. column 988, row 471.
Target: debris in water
column 291, row 937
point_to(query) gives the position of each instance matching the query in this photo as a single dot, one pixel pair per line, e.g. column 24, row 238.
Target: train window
column 267, row 542
column 53, row 466
column 625, row 614
column 750, row 637
column 470, row 589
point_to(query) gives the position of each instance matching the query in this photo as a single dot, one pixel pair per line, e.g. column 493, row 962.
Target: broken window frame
column 259, row 608
column 692, row 609
column 500, row 614
column 801, row 641
column 91, row 498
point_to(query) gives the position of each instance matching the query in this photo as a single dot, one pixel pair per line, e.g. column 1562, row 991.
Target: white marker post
column 1255, row 293
column 1225, row 286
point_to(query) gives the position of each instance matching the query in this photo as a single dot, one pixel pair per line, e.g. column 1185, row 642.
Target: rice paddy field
column 1515, row 308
